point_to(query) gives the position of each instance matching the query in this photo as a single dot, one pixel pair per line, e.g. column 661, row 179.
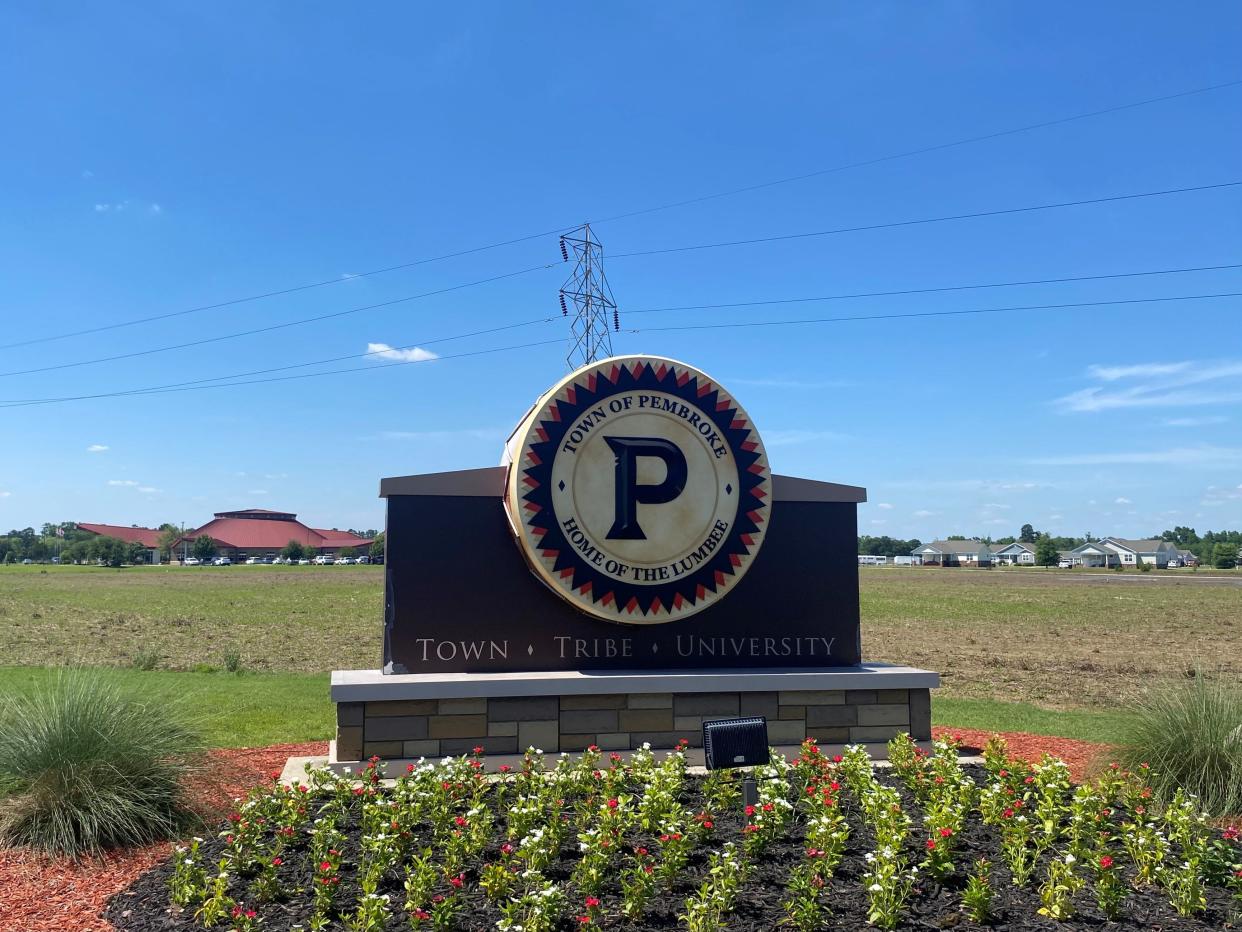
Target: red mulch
column 40, row 894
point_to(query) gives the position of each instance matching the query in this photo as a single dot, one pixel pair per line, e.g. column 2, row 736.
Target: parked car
column 303, row 562
column 322, row 560
column 221, row 561
column 363, row 560
column 344, row 561
column 191, row 561
column 251, row 561
column 1065, row 565
column 27, row 562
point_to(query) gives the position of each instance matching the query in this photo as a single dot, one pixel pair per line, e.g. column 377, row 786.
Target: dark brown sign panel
column 460, row 597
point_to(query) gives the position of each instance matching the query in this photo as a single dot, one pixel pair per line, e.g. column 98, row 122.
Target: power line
column 768, row 239
column 282, row 291
column 909, row 153
column 652, row 310
column 280, row 326
column 942, row 288
column 197, row 386
column 284, row 378
column 926, row 220
column 959, row 313
column 924, row 150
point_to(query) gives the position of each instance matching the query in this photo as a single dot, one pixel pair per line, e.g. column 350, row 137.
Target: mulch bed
column 42, row 894
column 39, row 894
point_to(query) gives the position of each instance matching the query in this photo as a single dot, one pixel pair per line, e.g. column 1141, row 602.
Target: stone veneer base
column 405, row 717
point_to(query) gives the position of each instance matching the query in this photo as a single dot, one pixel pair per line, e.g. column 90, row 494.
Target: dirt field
column 1054, row 639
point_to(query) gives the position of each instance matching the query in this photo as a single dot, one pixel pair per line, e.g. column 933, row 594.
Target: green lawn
column 1019, row 650
column 230, row 709
column 255, row 709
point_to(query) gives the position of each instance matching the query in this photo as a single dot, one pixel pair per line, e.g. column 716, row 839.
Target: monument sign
column 632, row 567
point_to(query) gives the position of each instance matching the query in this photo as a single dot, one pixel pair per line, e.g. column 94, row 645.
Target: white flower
column 1070, row 859
column 875, row 888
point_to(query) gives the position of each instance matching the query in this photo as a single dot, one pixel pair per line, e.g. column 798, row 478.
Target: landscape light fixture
column 737, row 742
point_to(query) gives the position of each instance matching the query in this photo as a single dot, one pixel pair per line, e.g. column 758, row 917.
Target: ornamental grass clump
column 1191, row 736
column 85, row 767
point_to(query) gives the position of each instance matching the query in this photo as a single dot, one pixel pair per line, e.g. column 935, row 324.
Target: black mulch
column 144, row 907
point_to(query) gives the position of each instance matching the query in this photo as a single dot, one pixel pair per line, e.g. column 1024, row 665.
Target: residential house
column 953, row 553
column 1019, row 553
column 1119, row 551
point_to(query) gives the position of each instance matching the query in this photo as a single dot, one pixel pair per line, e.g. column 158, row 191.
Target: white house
column 1018, row 553
column 1119, row 551
column 954, row 553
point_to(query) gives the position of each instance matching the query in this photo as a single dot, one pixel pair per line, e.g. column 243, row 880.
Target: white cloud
column 124, row 482
column 798, row 384
column 1122, row 500
column 924, row 513
column 148, row 489
column 784, row 438
column 412, row 354
column 1055, row 517
column 1194, row 421
column 97, row 448
column 1157, row 385
column 5, row 494
column 431, row 436
column 1179, row 456
column 1142, row 370
column 885, row 505
column 275, row 475
column 997, row 506
column 877, row 522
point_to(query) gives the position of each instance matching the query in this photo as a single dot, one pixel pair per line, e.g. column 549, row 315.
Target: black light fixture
column 737, row 742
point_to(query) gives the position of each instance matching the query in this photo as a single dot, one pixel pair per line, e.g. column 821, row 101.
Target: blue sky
column 161, row 158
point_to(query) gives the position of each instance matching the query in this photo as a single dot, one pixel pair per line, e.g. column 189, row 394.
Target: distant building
column 1119, row 551
column 1187, row 558
column 953, row 553
column 149, row 537
column 1018, row 553
column 257, row 532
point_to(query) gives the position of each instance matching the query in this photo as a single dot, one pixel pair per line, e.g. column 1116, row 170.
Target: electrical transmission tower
column 587, row 289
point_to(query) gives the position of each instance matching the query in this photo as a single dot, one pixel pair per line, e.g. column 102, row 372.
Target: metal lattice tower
column 587, row 289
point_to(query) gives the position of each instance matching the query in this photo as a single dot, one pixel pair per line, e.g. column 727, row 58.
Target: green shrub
column 146, row 659
column 84, row 767
column 1191, row 736
column 232, row 660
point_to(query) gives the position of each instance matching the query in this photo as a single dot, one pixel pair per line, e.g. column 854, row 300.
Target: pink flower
column 276, row 862
column 750, row 810
column 459, row 821
column 1106, row 862
column 612, row 804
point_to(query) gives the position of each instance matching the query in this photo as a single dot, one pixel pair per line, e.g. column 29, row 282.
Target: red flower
column 276, row 862
column 1008, row 813
column 750, row 810
column 931, row 844
column 1004, row 773
column 504, row 768
column 438, row 898
column 708, row 823
column 641, row 852
column 584, row 920
column 275, row 774
column 506, row 848
column 612, row 804
column 478, row 749
column 457, row 881
column 422, row 914
column 946, row 833
column 333, row 852
column 236, row 911
column 837, row 758
column 409, row 768
column 459, row 821
column 592, row 747
column 1106, row 862
column 614, row 757
column 768, row 807
column 1230, row 834
column 591, row 902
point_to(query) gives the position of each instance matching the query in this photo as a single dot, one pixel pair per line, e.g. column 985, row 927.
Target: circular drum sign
column 638, row 489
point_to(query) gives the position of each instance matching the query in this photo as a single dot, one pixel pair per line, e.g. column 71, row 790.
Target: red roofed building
column 147, row 536
column 257, row 532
